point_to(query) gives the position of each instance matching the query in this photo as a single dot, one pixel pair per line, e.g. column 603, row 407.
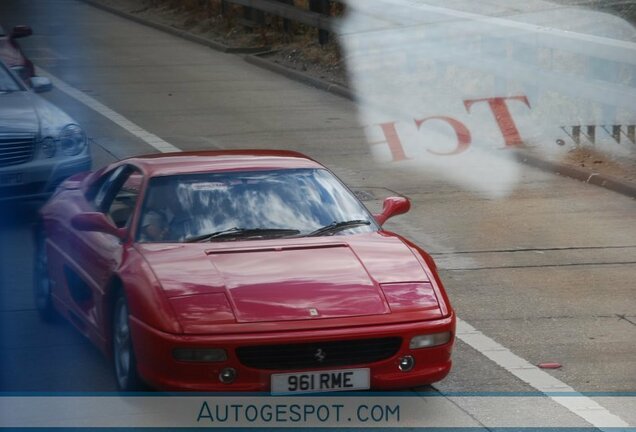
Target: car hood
column 282, row 280
column 25, row 112
column 17, row 113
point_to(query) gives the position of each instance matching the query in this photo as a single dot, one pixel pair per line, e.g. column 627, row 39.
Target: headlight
column 72, row 140
column 430, row 340
column 48, row 147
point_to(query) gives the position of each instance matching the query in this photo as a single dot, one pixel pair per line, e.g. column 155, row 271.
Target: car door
column 94, row 256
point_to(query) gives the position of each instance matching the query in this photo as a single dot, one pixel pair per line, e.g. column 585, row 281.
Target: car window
column 116, row 192
column 299, row 200
column 124, row 200
column 7, row 82
column 103, row 188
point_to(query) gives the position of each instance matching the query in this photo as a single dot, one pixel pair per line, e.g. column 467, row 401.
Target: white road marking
column 584, row 407
column 149, row 138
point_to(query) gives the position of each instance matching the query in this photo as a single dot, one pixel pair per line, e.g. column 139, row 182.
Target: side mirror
column 392, row 206
column 41, row 84
column 95, row 221
column 21, row 31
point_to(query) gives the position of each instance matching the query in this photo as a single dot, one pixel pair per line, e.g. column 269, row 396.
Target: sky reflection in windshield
column 299, row 199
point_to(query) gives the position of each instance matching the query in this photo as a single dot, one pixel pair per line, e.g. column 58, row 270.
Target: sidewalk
column 306, row 63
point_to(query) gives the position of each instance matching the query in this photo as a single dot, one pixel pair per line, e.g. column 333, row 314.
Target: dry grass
column 208, row 17
column 595, row 160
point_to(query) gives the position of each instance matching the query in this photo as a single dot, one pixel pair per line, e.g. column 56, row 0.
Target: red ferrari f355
column 240, row 271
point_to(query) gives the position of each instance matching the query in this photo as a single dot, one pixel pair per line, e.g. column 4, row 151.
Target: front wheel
column 123, row 353
column 41, row 280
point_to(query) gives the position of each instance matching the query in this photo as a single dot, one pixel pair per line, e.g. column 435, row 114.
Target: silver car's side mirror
column 41, row 84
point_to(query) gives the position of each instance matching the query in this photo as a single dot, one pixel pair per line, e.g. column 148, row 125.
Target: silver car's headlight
column 72, row 140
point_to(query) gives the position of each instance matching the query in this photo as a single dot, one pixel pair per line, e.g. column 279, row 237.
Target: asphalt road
column 547, row 272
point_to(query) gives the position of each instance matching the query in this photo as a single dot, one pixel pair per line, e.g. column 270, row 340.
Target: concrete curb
column 589, row 177
column 301, row 77
column 253, row 58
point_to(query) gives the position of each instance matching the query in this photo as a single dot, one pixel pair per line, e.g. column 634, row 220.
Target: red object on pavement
column 550, row 365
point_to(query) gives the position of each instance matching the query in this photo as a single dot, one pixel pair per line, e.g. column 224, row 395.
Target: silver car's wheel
column 41, row 280
column 123, row 354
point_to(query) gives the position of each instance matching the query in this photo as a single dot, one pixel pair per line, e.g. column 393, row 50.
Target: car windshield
column 250, row 205
column 7, row 82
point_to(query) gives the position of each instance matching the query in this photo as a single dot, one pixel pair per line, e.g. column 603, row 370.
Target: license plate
column 321, row 381
column 10, row 179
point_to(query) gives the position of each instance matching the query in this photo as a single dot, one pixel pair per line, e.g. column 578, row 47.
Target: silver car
column 40, row 145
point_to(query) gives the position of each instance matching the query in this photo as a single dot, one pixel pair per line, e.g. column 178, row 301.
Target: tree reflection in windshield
column 290, row 199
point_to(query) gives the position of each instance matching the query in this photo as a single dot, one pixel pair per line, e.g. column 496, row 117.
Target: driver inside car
column 154, row 227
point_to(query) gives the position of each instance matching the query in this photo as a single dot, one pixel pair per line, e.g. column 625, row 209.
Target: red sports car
column 240, row 271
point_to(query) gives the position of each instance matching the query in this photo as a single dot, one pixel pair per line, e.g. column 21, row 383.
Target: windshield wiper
column 338, row 226
column 243, row 232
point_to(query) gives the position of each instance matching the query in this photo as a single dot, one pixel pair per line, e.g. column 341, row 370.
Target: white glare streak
column 455, row 91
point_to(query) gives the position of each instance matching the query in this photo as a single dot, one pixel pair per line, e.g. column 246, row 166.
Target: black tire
column 124, row 361
column 41, row 280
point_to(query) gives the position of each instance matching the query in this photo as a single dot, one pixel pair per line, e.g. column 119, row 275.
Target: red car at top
column 243, row 270
column 12, row 55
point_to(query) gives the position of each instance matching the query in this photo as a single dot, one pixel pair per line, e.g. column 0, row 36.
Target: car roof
column 164, row 164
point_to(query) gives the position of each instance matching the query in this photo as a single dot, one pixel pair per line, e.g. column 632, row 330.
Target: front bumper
column 38, row 179
column 156, row 365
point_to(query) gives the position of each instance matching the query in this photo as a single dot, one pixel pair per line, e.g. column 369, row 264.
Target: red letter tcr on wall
column 503, row 118
column 395, row 145
column 499, row 110
column 462, row 132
